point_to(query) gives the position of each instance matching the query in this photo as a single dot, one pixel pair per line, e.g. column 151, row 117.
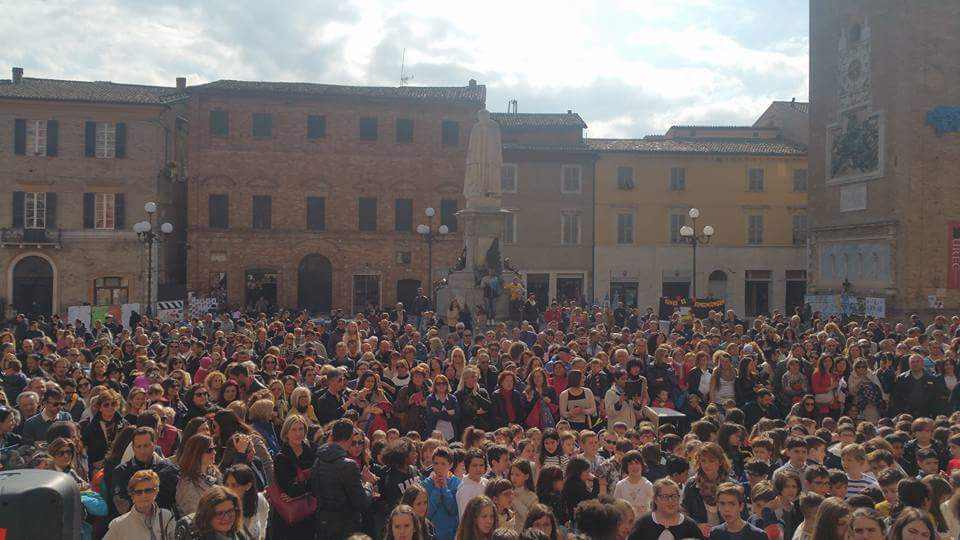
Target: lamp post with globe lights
column 151, row 237
column 689, row 234
column 429, row 235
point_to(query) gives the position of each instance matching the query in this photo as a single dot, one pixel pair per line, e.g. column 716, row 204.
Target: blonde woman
column 301, row 403
column 214, row 382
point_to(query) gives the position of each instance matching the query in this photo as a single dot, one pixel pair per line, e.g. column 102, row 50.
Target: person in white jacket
column 145, row 520
column 619, row 407
column 473, row 483
column 634, row 488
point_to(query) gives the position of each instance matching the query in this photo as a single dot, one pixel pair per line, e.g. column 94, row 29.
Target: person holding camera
column 624, row 400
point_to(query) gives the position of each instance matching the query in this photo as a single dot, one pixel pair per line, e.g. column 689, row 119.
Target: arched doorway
column 315, row 284
column 717, row 284
column 33, row 286
column 407, row 291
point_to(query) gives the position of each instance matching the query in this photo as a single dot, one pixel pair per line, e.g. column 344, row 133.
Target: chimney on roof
column 473, row 82
column 793, row 100
column 512, row 106
column 17, row 74
column 569, row 111
column 181, row 83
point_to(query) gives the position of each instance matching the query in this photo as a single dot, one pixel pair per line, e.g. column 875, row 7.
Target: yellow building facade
column 748, row 183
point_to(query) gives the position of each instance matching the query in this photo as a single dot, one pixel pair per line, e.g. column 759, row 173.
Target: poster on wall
column 699, row 308
column 79, row 312
column 953, row 250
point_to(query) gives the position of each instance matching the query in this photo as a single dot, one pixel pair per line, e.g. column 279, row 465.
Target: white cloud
column 629, row 67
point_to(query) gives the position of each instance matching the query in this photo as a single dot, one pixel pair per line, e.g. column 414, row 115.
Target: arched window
column 717, row 284
column 110, row 290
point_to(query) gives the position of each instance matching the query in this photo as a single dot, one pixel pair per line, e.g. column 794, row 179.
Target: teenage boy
column 888, row 480
column 590, row 448
column 923, row 438
column 441, row 489
column 928, row 462
column 755, row 471
column 796, row 451
column 817, row 479
column 762, row 450
column 763, row 499
column 838, row 484
column 473, row 482
column 730, row 504
column 854, row 462
column 678, row 469
column 498, row 456
column 809, row 504
column 816, row 450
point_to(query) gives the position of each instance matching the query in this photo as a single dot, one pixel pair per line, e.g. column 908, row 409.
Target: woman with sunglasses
column 198, row 472
column 198, row 405
column 443, row 409
column 219, row 516
column 103, row 427
column 145, row 519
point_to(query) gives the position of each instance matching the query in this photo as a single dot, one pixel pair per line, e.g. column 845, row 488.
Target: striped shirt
column 856, row 487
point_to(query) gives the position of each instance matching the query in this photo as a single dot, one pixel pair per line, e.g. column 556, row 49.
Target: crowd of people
column 580, row 423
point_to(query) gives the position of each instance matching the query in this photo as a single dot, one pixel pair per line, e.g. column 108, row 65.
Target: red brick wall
column 340, row 167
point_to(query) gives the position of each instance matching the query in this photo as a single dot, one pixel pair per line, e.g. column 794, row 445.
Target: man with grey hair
column 917, row 391
column 27, row 403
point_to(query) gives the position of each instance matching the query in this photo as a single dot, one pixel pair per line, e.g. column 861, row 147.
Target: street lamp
column 149, row 236
column 429, row 235
column 689, row 234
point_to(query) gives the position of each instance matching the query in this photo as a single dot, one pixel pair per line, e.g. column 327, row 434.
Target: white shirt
column 133, row 526
column 468, row 490
column 638, row 495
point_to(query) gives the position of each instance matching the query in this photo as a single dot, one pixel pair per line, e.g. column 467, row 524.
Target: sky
column 629, row 67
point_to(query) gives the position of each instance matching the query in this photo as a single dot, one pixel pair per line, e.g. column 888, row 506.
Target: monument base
column 462, row 286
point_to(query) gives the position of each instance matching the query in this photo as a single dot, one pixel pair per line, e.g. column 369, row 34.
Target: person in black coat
column 290, row 465
column 916, row 391
column 507, row 402
column 99, row 433
column 338, row 484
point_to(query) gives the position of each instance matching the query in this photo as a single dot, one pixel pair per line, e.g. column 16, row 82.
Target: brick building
column 308, row 195
column 547, row 184
column 78, row 161
column 884, row 151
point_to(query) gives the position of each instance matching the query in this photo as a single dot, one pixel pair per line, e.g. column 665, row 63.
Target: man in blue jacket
column 35, row 428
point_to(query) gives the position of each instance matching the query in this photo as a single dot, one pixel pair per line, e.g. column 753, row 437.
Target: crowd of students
column 405, row 427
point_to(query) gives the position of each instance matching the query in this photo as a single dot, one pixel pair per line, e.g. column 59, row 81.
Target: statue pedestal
column 481, row 227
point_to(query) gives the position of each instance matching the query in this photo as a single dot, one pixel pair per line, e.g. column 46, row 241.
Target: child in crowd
column 441, row 488
column 730, row 505
column 634, row 488
column 854, row 462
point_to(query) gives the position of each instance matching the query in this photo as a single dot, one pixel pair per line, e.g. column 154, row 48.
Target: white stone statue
column 481, row 185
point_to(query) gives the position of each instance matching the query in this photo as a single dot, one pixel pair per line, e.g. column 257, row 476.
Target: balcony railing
column 23, row 237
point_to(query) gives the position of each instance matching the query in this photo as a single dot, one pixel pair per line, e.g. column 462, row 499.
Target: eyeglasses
column 201, row 394
column 211, row 449
column 144, row 491
column 670, row 497
column 609, row 441
column 64, row 453
column 108, row 404
column 226, row 514
column 356, row 443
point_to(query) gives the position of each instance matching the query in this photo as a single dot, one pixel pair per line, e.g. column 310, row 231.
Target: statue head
column 483, row 115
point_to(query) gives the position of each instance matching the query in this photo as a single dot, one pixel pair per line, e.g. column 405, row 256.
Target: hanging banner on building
column 828, row 305
column 953, row 249
column 125, row 311
column 79, row 312
column 682, row 305
column 875, row 307
column 170, row 311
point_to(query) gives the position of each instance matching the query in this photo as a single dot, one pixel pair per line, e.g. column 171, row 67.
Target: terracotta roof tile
column 475, row 92
column 539, row 120
column 699, row 146
column 89, row 91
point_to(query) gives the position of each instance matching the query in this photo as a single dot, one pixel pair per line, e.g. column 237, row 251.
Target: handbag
column 546, row 416
column 295, row 510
